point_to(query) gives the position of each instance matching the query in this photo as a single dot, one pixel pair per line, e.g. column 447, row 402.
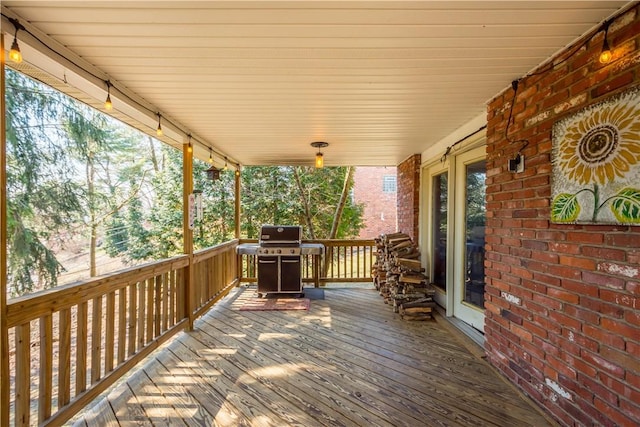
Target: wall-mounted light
column 605, row 54
column 14, row 54
column 319, row 157
column 159, row 129
column 108, row 105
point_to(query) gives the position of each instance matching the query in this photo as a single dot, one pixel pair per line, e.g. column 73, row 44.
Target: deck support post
column 4, row 331
column 187, row 189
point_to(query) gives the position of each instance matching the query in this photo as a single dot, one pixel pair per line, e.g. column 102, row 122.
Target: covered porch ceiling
column 258, row 81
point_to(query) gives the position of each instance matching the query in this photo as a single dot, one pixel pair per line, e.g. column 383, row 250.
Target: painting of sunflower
column 596, row 163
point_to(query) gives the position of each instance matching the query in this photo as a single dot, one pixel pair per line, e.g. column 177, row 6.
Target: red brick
column 602, row 336
column 602, row 280
column 563, row 295
column 565, row 247
column 613, row 84
column 614, row 413
column 628, row 240
column 582, row 263
column 565, row 271
column 604, row 253
column 619, row 298
column 620, row 328
column 601, row 363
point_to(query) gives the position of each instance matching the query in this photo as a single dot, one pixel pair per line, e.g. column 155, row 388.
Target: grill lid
column 271, row 235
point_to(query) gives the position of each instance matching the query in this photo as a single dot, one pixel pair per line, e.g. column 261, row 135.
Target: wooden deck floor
column 348, row 361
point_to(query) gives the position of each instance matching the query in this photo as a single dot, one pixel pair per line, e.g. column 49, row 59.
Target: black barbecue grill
column 279, row 257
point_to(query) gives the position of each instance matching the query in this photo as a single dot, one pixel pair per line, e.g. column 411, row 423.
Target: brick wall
column 562, row 301
column 380, row 213
column 408, row 195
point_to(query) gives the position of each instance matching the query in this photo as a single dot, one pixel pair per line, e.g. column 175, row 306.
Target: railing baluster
column 172, row 299
column 132, row 322
column 157, row 321
column 96, row 339
column 23, row 374
column 109, row 340
column 64, row 358
column 122, row 324
column 46, row 368
column 82, row 334
column 142, row 309
column 165, row 301
column 150, row 306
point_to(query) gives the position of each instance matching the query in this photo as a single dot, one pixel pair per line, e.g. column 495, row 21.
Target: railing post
column 4, row 332
column 237, row 202
column 187, row 189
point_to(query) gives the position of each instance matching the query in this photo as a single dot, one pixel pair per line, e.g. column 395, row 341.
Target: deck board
column 348, row 361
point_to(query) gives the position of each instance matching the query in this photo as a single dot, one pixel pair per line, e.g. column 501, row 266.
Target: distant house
column 376, row 188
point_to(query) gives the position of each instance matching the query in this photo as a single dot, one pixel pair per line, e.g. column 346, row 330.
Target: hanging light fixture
column 226, row 165
column 159, row 129
column 189, row 146
column 107, row 103
column 210, row 156
column 319, row 157
column 14, row 54
column 605, row 54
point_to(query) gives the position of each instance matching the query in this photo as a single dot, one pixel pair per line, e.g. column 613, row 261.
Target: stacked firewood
column 399, row 277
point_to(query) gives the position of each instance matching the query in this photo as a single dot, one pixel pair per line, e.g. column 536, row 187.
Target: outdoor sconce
column 213, row 174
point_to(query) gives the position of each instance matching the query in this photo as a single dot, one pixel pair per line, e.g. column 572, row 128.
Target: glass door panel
column 474, row 247
column 439, row 233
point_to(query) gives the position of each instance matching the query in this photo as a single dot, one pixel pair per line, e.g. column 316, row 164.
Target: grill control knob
column 293, row 251
column 279, row 251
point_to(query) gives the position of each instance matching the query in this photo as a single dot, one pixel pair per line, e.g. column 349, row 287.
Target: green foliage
column 271, row 195
column 43, row 199
column 75, row 175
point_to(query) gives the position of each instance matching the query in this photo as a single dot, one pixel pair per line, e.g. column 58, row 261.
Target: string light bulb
column 210, row 156
column 605, row 54
column 189, row 146
column 226, row 165
column 108, row 105
column 14, row 54
column 159, row 129
column 237, row 172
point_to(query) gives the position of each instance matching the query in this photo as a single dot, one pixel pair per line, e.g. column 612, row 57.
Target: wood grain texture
column 348, row 361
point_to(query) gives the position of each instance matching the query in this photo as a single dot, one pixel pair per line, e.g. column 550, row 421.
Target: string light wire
column 110, row 84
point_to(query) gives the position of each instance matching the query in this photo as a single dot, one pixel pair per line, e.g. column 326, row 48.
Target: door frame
column 464, row 311
column 474, row 147
column 443, row 298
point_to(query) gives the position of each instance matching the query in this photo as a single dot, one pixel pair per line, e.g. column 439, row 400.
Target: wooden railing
column 342, row 261
column 70, row 343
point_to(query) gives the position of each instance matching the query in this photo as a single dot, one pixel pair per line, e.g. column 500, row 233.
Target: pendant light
column 319, row 157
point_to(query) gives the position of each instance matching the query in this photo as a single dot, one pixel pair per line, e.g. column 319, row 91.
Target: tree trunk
column 305, row 203
column 154, row 159
column 348, row 176
column 90, row 170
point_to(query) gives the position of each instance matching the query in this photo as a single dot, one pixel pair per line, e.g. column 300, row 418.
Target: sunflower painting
column 596, row 163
